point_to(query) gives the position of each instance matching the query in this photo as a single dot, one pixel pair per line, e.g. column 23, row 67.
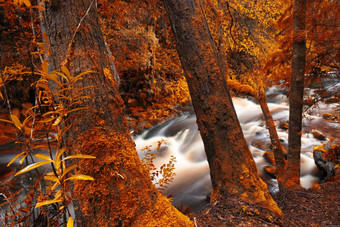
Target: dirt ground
column 319, row 206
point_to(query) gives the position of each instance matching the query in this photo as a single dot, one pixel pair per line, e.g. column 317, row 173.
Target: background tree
column 247, row 38
column 296, row 94
column 256, row 62
column 152, row 81
column 232, row 168
column 122, row 193
column 322, row 51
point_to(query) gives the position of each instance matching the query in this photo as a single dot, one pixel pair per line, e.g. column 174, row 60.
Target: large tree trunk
column 232, row 168
column 122, row 193
column 296, row 94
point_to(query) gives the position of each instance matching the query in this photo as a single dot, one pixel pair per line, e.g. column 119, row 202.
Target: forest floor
column 319, row 206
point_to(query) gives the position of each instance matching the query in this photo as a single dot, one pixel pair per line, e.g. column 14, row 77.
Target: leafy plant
column 51, row 117
column 163, row 175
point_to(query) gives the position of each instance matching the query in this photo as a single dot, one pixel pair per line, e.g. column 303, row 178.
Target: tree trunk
column 232, row 168
column 261, row 98
column 296, row 94
column 122, row 193
column 280, row 161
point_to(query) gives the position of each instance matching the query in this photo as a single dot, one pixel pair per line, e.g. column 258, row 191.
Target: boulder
column 326, row 158
column 269, row 156
column 318, row 135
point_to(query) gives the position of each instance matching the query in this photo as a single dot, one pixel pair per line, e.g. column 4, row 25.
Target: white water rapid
column 182, row 140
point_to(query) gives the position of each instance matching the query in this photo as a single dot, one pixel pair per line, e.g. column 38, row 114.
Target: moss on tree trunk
column 122, row 193
column 232, row 168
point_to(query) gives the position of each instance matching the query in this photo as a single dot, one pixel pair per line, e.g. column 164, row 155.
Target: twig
column 195, row 222
column 232, row 22
column 75, row 32
column 34, row 35
column 8, row 104
column 81, row 20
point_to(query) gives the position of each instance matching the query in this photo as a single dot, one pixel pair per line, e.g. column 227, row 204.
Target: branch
column 74, row 35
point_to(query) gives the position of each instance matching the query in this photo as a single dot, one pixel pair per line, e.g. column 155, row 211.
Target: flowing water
column 182, row 140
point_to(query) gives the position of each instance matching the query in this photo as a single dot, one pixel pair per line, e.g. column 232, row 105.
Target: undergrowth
column 162, row 176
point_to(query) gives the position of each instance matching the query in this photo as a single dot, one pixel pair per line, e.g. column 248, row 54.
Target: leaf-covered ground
column 313, row 207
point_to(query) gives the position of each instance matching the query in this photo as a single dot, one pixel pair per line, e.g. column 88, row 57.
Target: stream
column 181, row 139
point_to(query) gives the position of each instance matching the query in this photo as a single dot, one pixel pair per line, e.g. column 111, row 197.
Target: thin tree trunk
column 280, row 161
column 296, row 94
column 122, row 193
column 261, row 98
column 232, row 168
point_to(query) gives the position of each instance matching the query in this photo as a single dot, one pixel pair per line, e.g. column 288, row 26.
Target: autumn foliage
column 250, row 44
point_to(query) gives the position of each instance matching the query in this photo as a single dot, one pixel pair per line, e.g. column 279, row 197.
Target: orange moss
column 163, row 215
column 122, row 191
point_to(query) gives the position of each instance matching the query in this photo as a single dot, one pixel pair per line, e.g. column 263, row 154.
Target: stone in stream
column 318, row 135
column 260, row 145
column 269, row 156
column 329, row 116
column 327, row 158
column 283, row 125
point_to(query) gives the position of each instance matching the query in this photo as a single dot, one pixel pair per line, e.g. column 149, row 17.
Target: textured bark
column 280, row 161
column 122, row 193
column 232, row 168
column 261, row 98
column 296, row 94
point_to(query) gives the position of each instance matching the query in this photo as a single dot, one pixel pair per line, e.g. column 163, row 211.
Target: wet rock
column 269, row 156
column 270, row 170
column 326, row 158
column 318, row 135
column 283, row 125
column 260, row 145
column 329, row 116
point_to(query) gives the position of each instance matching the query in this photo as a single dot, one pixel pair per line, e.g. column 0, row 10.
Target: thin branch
column 232, row 22
column 75, row 32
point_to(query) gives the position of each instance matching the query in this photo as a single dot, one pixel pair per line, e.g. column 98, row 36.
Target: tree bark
column 261, row 98
column 232, row 168
column 280, row 161
column 122, row 193
column 296, row 94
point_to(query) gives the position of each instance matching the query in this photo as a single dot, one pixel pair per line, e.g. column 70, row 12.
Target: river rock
column 326, row 158
column 269, row 156
column 283, row 125
column 270, row 170
column 260, row 145
column 318, row 135
column 328, row 116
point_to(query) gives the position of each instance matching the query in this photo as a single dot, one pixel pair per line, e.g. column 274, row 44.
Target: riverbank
column 318, row 206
